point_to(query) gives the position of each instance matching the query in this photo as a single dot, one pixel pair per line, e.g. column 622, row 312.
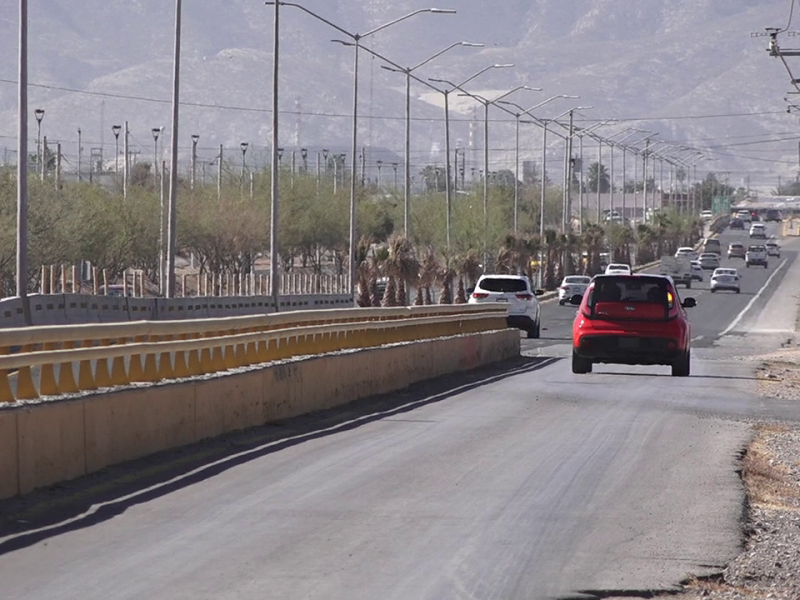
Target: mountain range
column 690, row 70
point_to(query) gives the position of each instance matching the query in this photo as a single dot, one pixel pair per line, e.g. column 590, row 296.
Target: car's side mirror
column 689, row 303
column 576, row 300
column 538, row 292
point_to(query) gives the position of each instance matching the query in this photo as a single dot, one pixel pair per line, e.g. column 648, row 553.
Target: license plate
column 502, row 300
column 628, row 343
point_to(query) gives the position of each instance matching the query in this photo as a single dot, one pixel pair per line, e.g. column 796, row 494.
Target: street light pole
column 446, row 93
column 172, row 205
column 39, row 114
column 243, row 146
column 195, row 139
column 115, row 129
column 156, row 131
column 22, row 162
column 407, row 174
column 356, row 39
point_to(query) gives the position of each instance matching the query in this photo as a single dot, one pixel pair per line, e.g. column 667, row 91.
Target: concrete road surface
column 537, row 483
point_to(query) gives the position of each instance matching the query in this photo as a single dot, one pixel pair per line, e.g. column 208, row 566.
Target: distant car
column 687, row 252
column 757, row 256
column 572, row 285
column 758, row 230
column 632, row 320
column 744, row 215
column 524, row 311
column 697, row 271
column 712, row 245
column 737, row 223
column 754, row 216
column 709, row 260
column 707, row 215
column 773, row 215
column 725, row 279
column 618, row 269
column 736, row 250
column 773, row 249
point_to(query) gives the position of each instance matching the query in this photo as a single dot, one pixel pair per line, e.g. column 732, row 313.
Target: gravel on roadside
column 769, row 566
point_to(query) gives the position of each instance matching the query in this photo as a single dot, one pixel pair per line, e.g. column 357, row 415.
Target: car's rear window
column 492, row 284
column 757, row 248
column 577, row 279
column 630, row 289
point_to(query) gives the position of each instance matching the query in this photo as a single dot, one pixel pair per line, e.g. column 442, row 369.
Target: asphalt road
column 537, row 483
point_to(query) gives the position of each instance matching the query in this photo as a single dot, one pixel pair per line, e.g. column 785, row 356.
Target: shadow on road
column 98, row 497
column 669, row 376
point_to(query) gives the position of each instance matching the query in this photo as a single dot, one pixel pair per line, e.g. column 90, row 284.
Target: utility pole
column 80, row 154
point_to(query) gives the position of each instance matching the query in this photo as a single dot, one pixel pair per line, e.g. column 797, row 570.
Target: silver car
column 709, row 260
column 725, row 279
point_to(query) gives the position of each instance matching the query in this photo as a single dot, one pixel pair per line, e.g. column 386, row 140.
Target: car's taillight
column 479, row 296
column 525, row 296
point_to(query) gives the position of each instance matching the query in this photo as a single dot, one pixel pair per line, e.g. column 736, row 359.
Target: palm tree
column 551, row 251
column 598, row 171
column 446, row 276
column 402, row 268
column 646, row 241
column 379, row 259
column 428, row 274
column 594, row 242
column 364, row 271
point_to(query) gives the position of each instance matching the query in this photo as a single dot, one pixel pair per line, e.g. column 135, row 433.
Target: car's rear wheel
column 738, row 290
column 537, row 330
column 681, row 366
column 713, row 290
column 580, row 365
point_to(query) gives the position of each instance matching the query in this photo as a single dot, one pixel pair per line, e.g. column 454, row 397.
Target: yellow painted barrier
column 214, row 345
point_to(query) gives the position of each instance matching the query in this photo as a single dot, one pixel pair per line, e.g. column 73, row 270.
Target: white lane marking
column 741, row 315
column 698, row 338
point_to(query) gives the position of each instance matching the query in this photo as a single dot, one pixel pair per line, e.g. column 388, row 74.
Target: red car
column 631, row 320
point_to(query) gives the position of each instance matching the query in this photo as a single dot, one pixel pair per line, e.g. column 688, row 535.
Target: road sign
column 721, row 205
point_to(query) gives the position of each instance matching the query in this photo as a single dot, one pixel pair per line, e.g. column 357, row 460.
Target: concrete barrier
column 49, row 442
column 11, row 313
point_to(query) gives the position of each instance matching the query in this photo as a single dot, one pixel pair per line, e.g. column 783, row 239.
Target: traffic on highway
column 526, row 481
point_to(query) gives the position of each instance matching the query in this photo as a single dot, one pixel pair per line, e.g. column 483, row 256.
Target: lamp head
column 442, row 11
column 116, row 129
column 39, row 112
column 304, row 152
column 244, row 146
column 195, row 138
column 155, row 131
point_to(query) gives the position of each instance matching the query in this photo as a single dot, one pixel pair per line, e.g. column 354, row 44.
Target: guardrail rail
column 70, row 359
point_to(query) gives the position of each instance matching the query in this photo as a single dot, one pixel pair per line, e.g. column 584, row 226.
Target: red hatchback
column 631, row 320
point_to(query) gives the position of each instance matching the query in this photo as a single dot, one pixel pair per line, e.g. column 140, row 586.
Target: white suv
column 515, row 290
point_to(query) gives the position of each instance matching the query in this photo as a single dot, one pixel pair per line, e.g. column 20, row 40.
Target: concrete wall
column 45, row 443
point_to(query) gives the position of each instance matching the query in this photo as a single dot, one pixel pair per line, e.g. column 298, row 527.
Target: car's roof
column 714, row 254
column 619, row 266
column 503, row 276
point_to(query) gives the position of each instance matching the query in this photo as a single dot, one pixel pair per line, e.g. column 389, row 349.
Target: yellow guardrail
column 151, row 351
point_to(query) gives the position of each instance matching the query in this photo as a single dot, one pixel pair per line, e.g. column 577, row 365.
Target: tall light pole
column 22, row 162
column 274, row 165
column 356, row 38
column 116, row 129
column 446, row 93
column 39, row 114
column 172, row 205
column 195, row 140
column 243, row 147
column 517, row 117
column 156, row 131
column 408, row 71
column 486, row 103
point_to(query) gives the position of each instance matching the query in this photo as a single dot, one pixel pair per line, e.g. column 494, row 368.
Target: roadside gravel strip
column 769, row 565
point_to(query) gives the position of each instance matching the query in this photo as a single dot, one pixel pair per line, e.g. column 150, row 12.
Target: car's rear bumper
column 723, row 286
column 628, row 350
